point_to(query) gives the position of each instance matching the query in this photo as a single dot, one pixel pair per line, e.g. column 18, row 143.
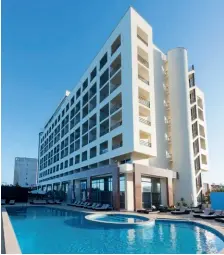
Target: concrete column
column 89, row 188
column 77, row 189
column 116, row 188
column 164, row 195
column 137, row 190
column 129, row 192
column 170, row 191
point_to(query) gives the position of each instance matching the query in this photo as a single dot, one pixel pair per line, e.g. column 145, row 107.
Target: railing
column 147, row 122
column 142, row 79
column 139, row 37
column 114, row 70
column 143, row 61
column 114, row 108
column 113, row 87
column 115, row 146
column 103, row 132
column 144, row 102
column 119, row 123
column 103, row 151
column 145, row 143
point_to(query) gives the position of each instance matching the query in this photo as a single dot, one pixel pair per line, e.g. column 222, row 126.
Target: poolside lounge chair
column 96, row 206
column 216, row 214
column 12, row 202
column 51, row 202
column 207, row 211
column 104, row 207
column 3, row 201
column 90, row 206
column 220, row 219
column 39, row 202
column 81, row 204
column 147, row 210
column 183, row 210
column 57, row 202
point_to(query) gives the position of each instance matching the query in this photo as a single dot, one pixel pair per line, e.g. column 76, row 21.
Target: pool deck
column 11, row 245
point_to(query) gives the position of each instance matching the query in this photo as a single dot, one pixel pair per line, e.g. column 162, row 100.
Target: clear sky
column 48, row 44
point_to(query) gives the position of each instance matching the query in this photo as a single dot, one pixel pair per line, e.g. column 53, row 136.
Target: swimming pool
column 50, row 230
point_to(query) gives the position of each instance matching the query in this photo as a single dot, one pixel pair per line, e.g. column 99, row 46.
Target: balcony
column 115, row 82
column 104, row 127
column 144, row 102
column 118, row 124
column 115, row 66
column 117, row 142
column 144, row 121
column 104, row 147
column 116, row 120
column 141, row 35
column 145, row 143
column 143, row 79
column 116, row 103
column 143, row 61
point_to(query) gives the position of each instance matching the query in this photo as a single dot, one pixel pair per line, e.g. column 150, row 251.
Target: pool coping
column 11, row 243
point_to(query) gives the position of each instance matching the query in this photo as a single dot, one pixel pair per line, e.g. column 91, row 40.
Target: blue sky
column 47, row 45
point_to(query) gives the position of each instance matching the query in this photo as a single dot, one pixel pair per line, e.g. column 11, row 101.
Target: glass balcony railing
column 147, row 122
column 116, row 146
column 143, row 61
column 114, row 108
column 145, row 143
column 119, row 123
column 142, row 79
column 144, row 102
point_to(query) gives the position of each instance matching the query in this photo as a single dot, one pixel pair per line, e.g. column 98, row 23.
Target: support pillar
column 77, row 190
column 88, row 188
column 129, row 192
column 116, row 188
column 170, row 191
column 137, row 190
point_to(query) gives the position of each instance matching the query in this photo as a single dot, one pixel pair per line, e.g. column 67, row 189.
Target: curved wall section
column 180, row 124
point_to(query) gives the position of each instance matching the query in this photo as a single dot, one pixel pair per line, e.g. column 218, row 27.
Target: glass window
column 104, row 77
column 85, row 84
column 72, row 100
column 116, row 44
column 93, row 74
column 78, row 93
column 103, row 61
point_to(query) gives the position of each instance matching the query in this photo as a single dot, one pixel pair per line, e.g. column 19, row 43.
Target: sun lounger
column 216, row 214
column 57, row 202
column 207, row 211
column 11, row 202
column 220, row 219
column 90, row 206
column 51, row 202
column 81, row 204
column 3, row 201
column 183, row 210
column 39, row 202
column 104, row 207
column 96, row 206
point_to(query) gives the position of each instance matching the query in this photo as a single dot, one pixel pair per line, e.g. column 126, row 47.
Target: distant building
column 25, row 172
column 215, row 186
column 206, row 188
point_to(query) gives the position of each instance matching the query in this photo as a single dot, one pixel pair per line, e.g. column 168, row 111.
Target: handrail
column 119, row 123
column 114, row 108
column 143, row 142
column 143, row 61
column 147, row 122
column 144, row 102
column 139, row 37
column 142, row 79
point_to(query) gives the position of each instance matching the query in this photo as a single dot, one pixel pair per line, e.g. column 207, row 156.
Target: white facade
column 25, row 172
column 131, row 108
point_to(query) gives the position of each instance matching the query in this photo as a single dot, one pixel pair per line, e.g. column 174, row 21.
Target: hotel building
column 133, row 130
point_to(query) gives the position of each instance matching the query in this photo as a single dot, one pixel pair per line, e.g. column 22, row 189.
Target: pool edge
column 11, row 243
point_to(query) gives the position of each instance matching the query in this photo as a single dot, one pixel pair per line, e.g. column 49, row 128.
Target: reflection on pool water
column 119, row 218
column 48, row 230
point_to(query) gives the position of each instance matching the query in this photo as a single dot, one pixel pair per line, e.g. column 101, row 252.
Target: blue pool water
column 121, row 218
column 48, row 230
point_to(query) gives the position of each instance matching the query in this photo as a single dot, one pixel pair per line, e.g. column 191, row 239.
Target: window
column 192, row 80
column 93, row 152
column 72, row 100
column 85, row 84
column 104, row 147
column 72, row 113
column 85, row 111
column 92, row 91
column 195, row 129
column 196, row 147
column 142, row 36
column 61, row 166
column 85, row 140
column 104, row 77
column 85, row 99
column 77, row 159
column 62, row 114
column 93, row 74
column 116, row 44
column 71, row 162
column 85, row 127
column 104, row 92
column 67, row 107
column 192, row 96
column 78, row 93
column 66, row 163
column 77, row 133
column 193, row 113
column 103, row 61
column 84, row 156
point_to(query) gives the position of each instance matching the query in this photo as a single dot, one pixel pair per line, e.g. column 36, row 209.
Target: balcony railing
column 147, row 122
column 116, row 146
column 114, row 108
column 119, row 123
column 143, row 61
column 144, row 102
column 142, row 79
column 139, row 37
column 113, row 87
column 114, row 70
column 145, row 143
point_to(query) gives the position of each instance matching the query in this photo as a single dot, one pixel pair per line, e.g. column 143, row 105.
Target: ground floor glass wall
column 122, row 192
column 101, row 190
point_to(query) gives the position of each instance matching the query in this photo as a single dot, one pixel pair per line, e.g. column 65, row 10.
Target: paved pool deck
column 11, row 244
